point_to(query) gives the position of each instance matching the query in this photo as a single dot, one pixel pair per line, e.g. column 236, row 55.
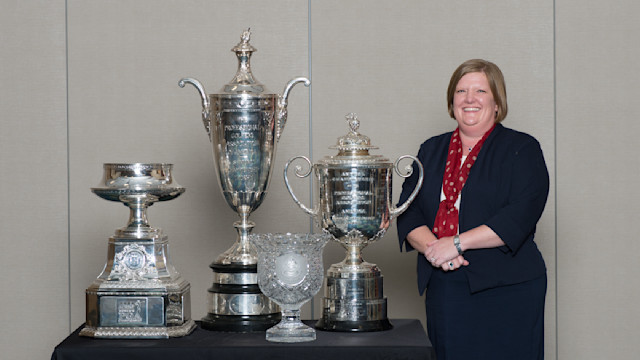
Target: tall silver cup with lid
column 244, row 123
column 354, row 205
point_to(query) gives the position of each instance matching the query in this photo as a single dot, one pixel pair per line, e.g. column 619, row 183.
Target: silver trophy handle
column 395, row 211
column 206, row 106
column 300, row 174
column 281, row 117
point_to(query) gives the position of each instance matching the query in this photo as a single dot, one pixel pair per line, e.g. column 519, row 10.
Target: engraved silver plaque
column 244, row 123
column 353, row 205
column 139, row 293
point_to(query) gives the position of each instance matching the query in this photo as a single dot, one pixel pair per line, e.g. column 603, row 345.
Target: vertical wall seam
column 66, row 51
column 555, row 182
column 309, row 70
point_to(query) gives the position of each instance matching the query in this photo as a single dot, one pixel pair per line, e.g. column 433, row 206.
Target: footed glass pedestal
column 291, row 329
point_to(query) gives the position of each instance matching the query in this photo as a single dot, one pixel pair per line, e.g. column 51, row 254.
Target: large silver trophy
column 139, row 293
column 354, row 205
column 244, row 123
column 290, row 273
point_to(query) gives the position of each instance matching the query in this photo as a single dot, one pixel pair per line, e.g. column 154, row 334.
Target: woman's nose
column 468, row 97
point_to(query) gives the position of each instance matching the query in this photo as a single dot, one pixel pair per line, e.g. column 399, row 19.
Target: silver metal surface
column 241, row 304
column 242, row 278
column 139, row 294
column 244, row 123
column 353, row 204
column 338, row 310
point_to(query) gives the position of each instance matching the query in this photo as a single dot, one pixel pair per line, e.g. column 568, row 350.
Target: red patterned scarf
column 455, row 176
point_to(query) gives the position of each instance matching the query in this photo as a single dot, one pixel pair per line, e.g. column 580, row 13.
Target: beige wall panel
column 391, row 64
column 125, row 60
column 597, row 127
column 33, row 159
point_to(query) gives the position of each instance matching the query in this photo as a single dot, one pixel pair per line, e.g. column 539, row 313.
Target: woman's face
column 473, row 104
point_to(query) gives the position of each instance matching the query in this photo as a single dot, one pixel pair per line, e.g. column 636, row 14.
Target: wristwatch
column 456, row 242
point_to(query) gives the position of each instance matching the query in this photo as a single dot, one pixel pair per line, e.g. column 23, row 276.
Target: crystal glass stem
column 291, row 328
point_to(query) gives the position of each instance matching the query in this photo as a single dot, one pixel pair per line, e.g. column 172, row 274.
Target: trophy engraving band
column 235, row 278
column 340, row 310
column 354, row 289
column 240, row 304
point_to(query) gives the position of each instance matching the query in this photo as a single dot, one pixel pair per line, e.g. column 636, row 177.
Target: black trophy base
column 354, row 326
column 236, row 303
column 239, row 323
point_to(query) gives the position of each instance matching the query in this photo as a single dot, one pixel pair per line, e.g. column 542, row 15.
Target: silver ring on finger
column 451, row 265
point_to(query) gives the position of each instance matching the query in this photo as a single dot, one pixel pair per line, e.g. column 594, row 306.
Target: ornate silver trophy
column 290, row 273
column 139, row 293
column 353, row 204
column 244, row 123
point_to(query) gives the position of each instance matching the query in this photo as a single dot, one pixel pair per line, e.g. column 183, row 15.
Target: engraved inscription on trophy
column 130, row 311
column 244, row 153
column 353, row 203
column 291, row 268
column 358, row 204
column 243, row 304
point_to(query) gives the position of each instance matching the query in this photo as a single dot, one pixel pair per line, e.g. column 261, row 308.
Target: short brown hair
column 496, row 83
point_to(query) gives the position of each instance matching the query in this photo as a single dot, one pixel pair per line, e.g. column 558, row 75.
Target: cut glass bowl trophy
column 290, row 272
column 139, row 294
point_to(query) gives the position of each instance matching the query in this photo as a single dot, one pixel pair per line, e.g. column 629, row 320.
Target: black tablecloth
column 407, row 340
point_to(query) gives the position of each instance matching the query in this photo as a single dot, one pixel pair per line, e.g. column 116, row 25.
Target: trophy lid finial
column 353, row 141
column 246, row 36
column 354, row 123
column 243, row 46
column 244, row 82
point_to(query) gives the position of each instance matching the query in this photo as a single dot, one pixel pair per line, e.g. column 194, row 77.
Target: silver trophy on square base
column 244, row 123
column 139, row 294
column 290, row 272
column 353, row 204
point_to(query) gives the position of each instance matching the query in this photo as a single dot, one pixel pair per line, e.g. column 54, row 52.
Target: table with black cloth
column 407, row 340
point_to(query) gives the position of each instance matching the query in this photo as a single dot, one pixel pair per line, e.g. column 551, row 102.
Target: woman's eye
column 460, row 91
column 482, row 91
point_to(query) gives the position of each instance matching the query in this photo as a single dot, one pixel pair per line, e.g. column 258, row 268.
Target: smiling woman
column 473, row 224
column 474, row 108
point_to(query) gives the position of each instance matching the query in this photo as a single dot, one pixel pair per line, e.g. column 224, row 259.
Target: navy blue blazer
column 506, row 190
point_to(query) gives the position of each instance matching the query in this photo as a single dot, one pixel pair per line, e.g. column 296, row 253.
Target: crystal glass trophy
column 290, row 273
column 353, row 205
column 139, row 294
column 244, row 123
